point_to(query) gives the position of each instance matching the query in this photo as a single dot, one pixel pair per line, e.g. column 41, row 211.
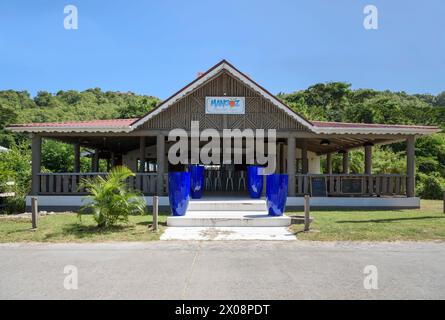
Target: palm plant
column 111, row 200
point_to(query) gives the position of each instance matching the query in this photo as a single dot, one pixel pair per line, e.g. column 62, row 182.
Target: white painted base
column 59, row 201
column 77, row 201
column 356, row 202
column 228, row 219
column 228, row 233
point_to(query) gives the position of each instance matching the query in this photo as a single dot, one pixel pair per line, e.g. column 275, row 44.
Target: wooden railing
column 69, row 183
column 353, row 184
column 332, row 184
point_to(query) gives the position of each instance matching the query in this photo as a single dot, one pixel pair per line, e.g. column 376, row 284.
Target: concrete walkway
column 228, row 233
column 222, row 270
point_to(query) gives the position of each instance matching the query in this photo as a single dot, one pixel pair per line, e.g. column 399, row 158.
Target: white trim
column 209, row 75
column 385, row 130
column 52, row 129
column 351, row 202
column 356, row 202
column 76, row 201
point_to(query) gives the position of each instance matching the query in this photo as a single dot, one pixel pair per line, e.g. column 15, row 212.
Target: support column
column 36, row 148
column 329, row 163
column 76, row 157
column 345, row 162
column 160, row 157
column 142, row 154
column 95, row 161
column 368, row 159
column 304, row 160
column 112, row 156
column 410, row 167
column 291, row 165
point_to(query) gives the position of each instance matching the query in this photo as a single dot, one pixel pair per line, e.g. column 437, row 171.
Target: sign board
column 351, row 185
column 225, row 105
column 318, row 187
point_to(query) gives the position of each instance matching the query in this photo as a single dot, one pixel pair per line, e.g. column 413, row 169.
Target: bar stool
column 217, row 180
column 208, row 179
column 229, row 178
column 242, row 179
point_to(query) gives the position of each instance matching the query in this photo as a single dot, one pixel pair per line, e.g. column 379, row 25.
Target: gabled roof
column 223, row 65
column 128, row 125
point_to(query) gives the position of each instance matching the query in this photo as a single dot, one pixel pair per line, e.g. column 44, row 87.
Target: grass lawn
column 426, row 223
column 68, row 228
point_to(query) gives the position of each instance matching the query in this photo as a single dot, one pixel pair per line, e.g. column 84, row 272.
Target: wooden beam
column 141, row 153
column 76, row 147
column 346, row 162
column 36, row 149
column 291, row 165
column 368, row 159
column 329, row 163
column 410, row 167
column 304, row 157
column 160, row 156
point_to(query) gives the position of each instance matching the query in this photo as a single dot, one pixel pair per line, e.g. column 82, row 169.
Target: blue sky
column 156, row 47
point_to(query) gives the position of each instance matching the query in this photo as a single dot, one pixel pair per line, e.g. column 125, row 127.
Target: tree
column 110, row 198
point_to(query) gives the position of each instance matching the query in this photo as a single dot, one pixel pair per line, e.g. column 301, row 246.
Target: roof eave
column 377, row 131
column 67, row 129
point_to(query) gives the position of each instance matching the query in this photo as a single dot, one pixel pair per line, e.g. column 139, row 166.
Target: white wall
column 313, row 161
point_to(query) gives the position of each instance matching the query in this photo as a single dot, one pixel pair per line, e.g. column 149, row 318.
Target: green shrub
column 111, row 200
column 430, row 186
column 15, row 167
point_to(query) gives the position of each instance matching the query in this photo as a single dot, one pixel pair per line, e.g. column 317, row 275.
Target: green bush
column 111, row 200
column 15, row 167
column 430, row 186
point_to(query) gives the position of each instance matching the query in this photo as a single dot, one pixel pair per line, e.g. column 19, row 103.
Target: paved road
column 223, row 270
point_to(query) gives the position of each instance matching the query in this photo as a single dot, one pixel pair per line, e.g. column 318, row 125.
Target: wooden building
column 141, row 145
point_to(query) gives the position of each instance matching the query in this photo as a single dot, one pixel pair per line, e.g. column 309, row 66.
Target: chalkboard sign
column 318, row 187
column 351, row 185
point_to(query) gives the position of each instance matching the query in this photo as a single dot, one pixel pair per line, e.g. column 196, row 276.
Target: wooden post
column 329, row 163
column 155, row 212
column 36, row 147
column 410, row 167
column 141, row 154
column 76, row 157
column 307, row 210
column 345, row 162
column 95, row 161
column 34, row 212
column 444, row 202
column 304, row 157
column 291, row 158
column 160, row 158
column 112, row 160
column 368, row 159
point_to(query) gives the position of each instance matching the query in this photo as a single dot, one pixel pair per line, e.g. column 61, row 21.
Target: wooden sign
column 318, row 187
column 225, row 105
column 351, row 185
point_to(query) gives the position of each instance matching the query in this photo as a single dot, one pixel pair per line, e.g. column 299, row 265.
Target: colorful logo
column 230, row 102
column 225, row 105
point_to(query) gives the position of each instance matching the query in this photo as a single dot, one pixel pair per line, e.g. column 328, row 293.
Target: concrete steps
column 228, row 205
column 228, row 213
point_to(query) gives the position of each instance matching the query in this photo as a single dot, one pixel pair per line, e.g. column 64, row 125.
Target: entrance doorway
column 225, row 180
